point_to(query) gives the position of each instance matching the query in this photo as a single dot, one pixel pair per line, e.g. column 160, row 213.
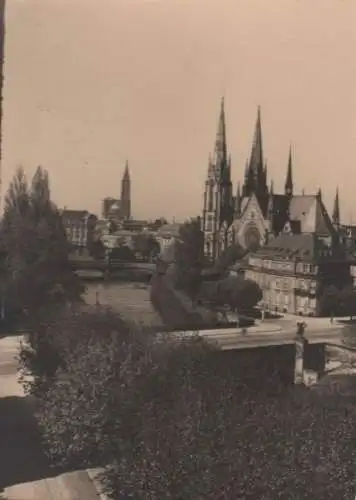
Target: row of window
column 287, row 284
column 286, row 266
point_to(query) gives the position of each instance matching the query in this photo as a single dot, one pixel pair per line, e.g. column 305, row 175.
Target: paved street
column 24, row 470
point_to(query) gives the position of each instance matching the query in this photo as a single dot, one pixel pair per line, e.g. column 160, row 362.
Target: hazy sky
column 89, row 84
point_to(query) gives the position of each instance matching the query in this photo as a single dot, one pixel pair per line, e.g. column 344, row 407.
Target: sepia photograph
column 177, row 250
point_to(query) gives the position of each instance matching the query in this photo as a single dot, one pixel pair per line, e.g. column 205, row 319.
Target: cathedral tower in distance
column 126, row 194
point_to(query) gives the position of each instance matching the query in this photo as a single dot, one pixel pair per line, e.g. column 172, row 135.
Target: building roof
column 310, row 211
column 304, row 213
column 304, row 246
column 68, row 215
column 74, row 213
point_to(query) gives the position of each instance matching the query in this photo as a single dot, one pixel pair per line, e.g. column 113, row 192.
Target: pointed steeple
column 255, row 181
column 220, row 153
column 126, row 175
column 288, row 187
column 256, row 160
column 126, row 193
column 336, row 209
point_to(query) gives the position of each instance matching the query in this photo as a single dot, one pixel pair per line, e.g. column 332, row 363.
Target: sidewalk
column 25, row 473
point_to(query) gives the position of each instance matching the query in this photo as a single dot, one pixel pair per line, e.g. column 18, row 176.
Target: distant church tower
column 288, row 187
column 126, row 194
column 218, row 199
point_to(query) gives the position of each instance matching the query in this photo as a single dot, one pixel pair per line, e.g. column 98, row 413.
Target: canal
column 131, row 300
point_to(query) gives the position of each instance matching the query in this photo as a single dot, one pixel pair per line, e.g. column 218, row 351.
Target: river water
column 131, row 300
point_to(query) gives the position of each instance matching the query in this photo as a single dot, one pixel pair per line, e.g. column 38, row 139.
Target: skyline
column 122, row 82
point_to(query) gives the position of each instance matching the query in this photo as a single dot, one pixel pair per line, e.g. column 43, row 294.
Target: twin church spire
column 255, row 181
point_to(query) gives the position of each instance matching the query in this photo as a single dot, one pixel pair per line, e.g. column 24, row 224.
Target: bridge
column 275, row 348
column 88, row 268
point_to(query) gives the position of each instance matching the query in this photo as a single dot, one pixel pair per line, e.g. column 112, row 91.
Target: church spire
column 255, row 181
column 220, row 153
column 256, row 161
column 336, row 210
column 288, row 187
column 126, row 193
column 126, row 175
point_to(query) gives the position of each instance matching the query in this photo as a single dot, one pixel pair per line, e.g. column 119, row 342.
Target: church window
column 211, row 197
column 209, row 223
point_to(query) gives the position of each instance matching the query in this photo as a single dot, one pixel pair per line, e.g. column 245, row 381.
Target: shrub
column 177, row 420
column 54, row 337
column 170, row 307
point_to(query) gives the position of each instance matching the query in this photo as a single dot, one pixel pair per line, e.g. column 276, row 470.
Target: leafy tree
column 178, row 420
column 78, row 419
column 347, row 300
column 37, row 269
column 189, row 257
column 238, row 293
column 123, row 253
column 97, row 249
column 146, row 245
column 230, row 256
column 329, row 303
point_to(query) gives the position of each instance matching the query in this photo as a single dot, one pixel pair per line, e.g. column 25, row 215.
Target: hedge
column 176, row 310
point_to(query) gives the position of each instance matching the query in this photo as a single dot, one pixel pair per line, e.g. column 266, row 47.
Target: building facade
column 80, row 227
column 167, row 235
column 294, row 270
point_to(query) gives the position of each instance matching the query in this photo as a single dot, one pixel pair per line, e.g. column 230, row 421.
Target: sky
column 89, row 84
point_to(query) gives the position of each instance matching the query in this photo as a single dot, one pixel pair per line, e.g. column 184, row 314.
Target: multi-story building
column 167, row 234
column 80, row 228
column 293, row 270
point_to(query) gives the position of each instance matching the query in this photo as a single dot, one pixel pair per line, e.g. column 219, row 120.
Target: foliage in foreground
column 177, row 421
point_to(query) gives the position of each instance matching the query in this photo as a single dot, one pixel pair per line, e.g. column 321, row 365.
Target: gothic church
column 255, row 214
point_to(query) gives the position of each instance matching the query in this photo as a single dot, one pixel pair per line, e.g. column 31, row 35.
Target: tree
column 37, row 270
column 238, row 293
column 230, row 256
column 123, row 253
column 146, row 246
column 97, row 249
column 329, row 303
column 189, row 257
column 181, row 420
column 347, row 300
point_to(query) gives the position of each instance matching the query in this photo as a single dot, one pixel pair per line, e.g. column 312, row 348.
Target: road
column 24, row 471
column 269, row 334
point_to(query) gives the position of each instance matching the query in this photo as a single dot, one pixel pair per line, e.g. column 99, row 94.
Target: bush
column 52, row 339
column 177, row 420
column 170, row 307
column 90, row 404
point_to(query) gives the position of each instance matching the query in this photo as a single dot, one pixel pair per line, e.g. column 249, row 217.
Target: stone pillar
column 299, row 353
